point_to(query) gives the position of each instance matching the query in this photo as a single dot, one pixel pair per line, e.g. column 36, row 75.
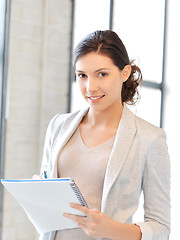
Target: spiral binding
column 78, row 194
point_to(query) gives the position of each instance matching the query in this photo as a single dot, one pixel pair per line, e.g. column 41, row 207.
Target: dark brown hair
column 108, row 43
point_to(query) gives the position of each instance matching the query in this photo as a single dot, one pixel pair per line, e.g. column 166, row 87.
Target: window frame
column 4, row 47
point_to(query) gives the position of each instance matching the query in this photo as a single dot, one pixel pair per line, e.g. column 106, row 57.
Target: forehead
column 93, row 61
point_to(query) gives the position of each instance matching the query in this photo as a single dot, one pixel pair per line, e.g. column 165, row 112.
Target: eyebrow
column 98, row 70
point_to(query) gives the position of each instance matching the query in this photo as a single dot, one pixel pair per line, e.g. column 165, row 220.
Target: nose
column 91, row 85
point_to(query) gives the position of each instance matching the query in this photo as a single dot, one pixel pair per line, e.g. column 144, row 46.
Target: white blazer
column 139, row 162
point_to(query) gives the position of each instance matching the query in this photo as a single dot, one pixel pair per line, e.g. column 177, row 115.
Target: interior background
column 37, row 80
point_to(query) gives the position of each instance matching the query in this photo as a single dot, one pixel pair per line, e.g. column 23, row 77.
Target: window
column 143, row 37
column 88, row 16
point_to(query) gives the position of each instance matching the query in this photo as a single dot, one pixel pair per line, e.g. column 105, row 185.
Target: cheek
column 115, row 84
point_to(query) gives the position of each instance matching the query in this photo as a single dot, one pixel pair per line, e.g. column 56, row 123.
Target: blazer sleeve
column 156, row 189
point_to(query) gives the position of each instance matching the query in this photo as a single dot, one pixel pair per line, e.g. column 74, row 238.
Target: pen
column 45, row 174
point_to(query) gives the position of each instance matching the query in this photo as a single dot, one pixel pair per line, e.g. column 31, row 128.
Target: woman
column 110, row 153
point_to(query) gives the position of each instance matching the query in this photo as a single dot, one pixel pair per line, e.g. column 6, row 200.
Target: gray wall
column 37, row 90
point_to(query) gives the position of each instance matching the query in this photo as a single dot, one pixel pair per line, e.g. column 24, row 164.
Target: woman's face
column 100, row 81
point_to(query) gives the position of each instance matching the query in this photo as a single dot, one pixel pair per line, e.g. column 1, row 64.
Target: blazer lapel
column 68, row 128
column 123, row 140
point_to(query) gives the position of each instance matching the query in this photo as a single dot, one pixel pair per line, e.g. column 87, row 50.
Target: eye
column 102, row 74
column 81, row 75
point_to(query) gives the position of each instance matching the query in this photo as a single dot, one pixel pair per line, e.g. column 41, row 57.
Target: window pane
column 90, row 15
column 149, row 107
column 140, row 25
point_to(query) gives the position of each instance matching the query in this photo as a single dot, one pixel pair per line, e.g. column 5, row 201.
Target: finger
column 76, row 218
column 83, row 226
column 95, row 211
column 81, row 208
column 36, row 176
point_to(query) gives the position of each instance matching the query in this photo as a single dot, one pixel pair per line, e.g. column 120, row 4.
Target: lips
column 96, row 97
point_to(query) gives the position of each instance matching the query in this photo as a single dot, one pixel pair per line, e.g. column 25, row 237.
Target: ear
column 126, row 72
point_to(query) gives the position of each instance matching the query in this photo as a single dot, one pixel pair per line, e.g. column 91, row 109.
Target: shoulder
column 146, row 131
column 153, row 141
column 152, row 138
column 59, row 120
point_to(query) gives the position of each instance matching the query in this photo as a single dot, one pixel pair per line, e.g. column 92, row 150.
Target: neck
column 108, row 118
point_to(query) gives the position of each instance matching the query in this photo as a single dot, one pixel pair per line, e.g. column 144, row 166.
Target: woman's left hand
column 96, row 224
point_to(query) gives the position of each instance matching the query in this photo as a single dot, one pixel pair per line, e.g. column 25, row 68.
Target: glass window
column 143, row 36
column 140, row 24
column 90, row 15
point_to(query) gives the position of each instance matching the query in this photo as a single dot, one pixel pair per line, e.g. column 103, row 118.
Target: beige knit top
column 87, row 167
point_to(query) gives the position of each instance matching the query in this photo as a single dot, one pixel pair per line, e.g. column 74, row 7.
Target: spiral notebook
column 45, row 201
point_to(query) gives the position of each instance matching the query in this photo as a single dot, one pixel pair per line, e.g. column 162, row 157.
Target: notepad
column 45, row 200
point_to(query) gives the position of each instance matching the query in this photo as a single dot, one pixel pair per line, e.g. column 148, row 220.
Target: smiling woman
column 111, row 47
column 110, row 153
column 101, row 82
